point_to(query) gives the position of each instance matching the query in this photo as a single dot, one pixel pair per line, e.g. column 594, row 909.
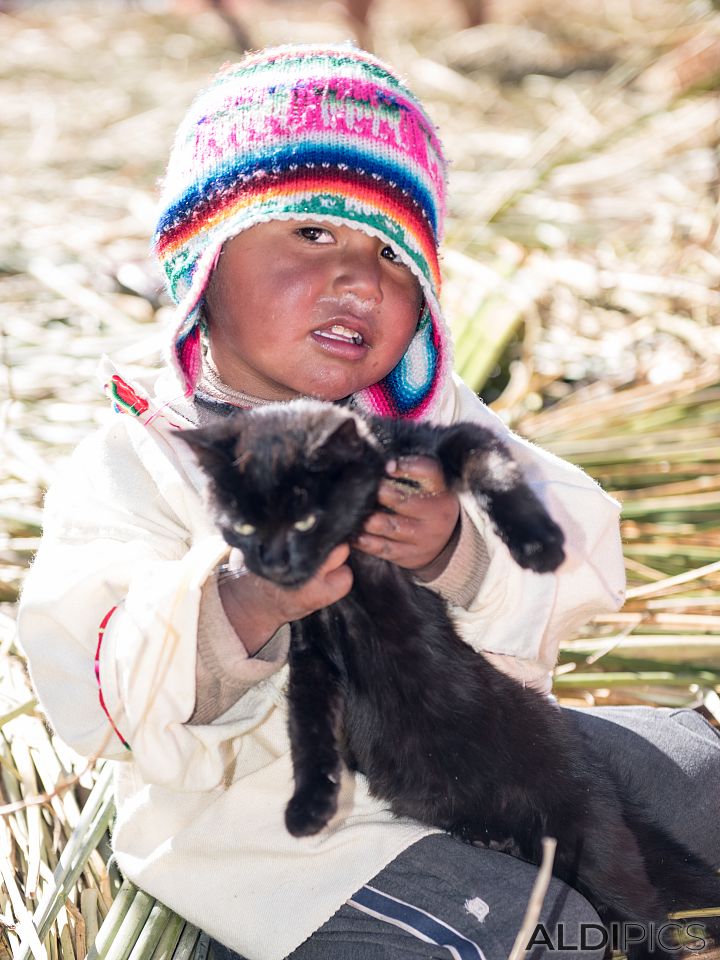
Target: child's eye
column 244, row 529
column 389, row 253
column 306, row 523
column 315, row 234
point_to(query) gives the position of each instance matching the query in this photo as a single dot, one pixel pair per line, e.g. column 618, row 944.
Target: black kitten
column 382, row 682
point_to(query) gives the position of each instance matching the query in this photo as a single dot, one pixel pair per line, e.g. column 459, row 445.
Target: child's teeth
column 339, row 332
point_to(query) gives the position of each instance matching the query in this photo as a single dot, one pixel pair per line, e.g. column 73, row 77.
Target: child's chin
column 330, row 395
column 332, row 389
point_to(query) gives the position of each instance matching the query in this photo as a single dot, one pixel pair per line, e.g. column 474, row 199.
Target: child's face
column 305, row 308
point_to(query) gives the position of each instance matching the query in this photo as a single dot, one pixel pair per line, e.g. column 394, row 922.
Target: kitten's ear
column 214, row 446
column 346, row 441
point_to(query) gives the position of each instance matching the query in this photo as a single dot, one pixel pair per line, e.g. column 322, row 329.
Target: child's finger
column 332, row 581
column 393, row 495
column 393, row 526
column 337, row 584
column 413, row 506
column 336, row 558
column 424, row 471
column 377, row 546
column 397, row 496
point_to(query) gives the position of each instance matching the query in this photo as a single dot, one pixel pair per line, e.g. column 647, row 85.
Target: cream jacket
column 200, row 806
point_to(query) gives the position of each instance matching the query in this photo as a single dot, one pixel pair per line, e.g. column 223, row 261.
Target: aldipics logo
column 670, row 936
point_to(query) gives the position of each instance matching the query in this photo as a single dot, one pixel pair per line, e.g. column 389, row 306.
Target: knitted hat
column 299, row 131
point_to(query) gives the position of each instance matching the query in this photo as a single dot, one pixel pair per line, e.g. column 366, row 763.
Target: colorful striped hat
column 299, row 131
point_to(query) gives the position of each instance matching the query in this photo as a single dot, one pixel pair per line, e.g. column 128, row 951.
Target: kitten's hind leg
column 315, row 705
column 474, row 459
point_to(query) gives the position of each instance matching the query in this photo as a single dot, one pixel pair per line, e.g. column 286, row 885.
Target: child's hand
column 257, row 608
column 422, row 523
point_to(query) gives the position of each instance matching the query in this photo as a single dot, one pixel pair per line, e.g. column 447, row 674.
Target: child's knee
column 568, row 926
column 697, row 725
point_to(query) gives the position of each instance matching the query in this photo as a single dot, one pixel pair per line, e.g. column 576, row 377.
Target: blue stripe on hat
column 300, row 155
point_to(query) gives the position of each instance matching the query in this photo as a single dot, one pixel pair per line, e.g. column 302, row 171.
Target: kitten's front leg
column 315, row 708
column 474, row 459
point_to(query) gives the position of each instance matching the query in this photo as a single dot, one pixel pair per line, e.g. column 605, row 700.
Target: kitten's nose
column 274, row 559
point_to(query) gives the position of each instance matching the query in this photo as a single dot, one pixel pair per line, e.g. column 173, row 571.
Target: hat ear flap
column 188, row 358
column 186, row 352
column 412, row 388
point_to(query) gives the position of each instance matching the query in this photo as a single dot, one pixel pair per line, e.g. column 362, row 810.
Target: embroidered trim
column 132, row 400
column 101, row 633
column 125, row 399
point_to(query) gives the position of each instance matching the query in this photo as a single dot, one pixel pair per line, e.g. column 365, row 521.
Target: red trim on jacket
column 101, row 634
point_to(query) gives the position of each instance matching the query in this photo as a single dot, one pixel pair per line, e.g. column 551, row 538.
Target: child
column 301, row 216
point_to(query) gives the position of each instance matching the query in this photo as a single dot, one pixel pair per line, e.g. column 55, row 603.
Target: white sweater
column 200, row 806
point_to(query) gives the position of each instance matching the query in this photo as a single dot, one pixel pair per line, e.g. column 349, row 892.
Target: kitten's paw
column 312, row 807
column 542, row 551
column 533, row 538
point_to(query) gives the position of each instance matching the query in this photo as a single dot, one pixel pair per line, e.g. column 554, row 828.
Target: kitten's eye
column 244, row 529
column 306, row 523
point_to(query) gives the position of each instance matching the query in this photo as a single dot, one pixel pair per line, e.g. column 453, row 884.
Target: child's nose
column 359, row 272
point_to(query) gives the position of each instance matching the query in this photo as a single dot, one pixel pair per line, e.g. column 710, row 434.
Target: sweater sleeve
column 109, row 613
column 461, row 579
column 224, row 670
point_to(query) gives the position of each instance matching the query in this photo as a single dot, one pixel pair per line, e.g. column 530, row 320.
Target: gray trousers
column 442, row 899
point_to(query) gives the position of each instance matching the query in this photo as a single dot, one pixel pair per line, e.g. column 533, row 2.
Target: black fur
column 381, row 681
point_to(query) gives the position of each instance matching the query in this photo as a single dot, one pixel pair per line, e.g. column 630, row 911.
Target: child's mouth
column 344, row 343
column 342, row 333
